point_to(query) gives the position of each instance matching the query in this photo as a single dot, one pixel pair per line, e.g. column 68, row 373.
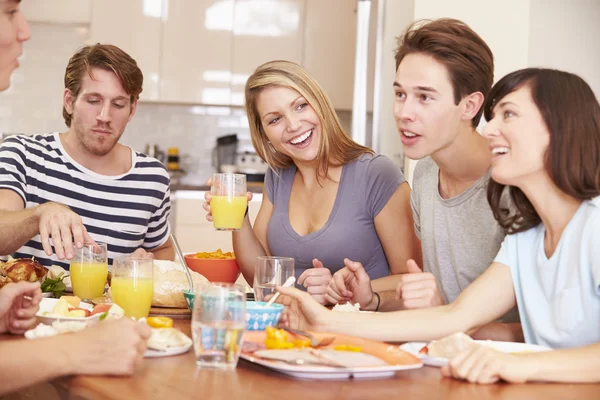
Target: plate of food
column 437, row 352
column 164, row 342
column 342, row 358
column 71, row 308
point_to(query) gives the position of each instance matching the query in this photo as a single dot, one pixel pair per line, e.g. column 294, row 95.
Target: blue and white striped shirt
column 126, row 211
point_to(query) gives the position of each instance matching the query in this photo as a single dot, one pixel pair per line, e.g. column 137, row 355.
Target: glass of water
column 218, row 324
column 270, row 272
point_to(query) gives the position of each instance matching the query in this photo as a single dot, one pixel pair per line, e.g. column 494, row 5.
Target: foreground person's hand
column 108, row 348
column 19, row 302
column 482, row 364
column 302, row 311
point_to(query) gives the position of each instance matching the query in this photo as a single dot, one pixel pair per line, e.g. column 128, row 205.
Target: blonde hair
column 336, row 147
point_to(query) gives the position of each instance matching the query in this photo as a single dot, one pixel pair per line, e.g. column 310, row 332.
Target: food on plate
column 170, row 281
column 57, row 328
column 347, row 307
column 21, row 269
column 333, row 358
column 165, row 338
column 159, row 322
column 215, row 255
column 278, row 339
column 448, row 346
column 101, row 308
column 347, row 347
column 55, row 281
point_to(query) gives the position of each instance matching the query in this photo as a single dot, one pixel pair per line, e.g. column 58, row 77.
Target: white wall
column 565, row 35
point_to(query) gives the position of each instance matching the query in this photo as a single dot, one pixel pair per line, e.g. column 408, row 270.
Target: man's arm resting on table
column 17, row 224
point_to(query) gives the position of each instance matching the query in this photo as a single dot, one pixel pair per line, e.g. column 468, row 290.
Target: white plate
column 171, row 351
column 47, row 305
column 505, row 347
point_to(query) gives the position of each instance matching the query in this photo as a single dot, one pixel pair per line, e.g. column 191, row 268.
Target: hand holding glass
column 229, row 201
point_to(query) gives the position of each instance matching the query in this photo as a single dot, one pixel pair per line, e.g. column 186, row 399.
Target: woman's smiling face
column 14, row 30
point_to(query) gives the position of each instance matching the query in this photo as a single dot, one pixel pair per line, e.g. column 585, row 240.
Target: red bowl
column 226, row 270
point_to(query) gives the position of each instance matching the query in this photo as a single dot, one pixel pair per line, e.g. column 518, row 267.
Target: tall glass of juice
column 132, row 285
column 229, row 201
column 89, row 270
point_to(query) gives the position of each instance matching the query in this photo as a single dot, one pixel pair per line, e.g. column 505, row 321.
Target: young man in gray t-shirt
column 444, row 72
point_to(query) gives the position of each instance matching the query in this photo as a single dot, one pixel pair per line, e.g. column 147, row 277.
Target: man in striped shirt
column 58, row 190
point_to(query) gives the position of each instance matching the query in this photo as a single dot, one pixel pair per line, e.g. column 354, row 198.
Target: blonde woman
column 327, row 198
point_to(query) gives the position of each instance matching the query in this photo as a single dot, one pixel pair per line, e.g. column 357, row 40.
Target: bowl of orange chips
column 216, row 266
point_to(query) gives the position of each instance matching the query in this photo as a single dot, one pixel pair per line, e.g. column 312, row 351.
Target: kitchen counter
column 253, row 187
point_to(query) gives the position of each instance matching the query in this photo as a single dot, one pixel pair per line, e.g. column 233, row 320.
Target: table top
column 178, row 377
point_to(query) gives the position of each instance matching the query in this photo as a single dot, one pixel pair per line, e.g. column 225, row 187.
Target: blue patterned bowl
column 258, row 317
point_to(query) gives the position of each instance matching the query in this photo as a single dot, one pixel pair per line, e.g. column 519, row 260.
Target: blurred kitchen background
column 197, row 54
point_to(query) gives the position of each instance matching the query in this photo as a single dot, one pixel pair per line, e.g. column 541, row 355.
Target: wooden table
column 178, row 377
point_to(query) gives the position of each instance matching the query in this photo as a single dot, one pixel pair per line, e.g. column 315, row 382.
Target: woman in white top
column 544, row 132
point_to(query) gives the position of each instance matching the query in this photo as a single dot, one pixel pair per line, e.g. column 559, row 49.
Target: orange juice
column 228, row 211
column 134, row 296
column 88, row 279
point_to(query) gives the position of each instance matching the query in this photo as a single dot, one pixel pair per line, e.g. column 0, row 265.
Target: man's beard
column 96, row 145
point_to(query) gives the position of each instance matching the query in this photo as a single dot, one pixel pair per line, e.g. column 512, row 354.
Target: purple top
column 365, row 187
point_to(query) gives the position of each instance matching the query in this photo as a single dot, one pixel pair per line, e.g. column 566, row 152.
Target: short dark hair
column 107, row 57
column 468, row 59
column 572, row 115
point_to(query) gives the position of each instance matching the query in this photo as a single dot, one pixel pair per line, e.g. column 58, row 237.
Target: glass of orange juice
column 89, row 270
column 132, row 285
column 229, row 201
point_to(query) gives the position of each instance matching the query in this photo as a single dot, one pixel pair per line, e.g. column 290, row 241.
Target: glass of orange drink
column 132, row 285
column 89, row 270
column 229, row 201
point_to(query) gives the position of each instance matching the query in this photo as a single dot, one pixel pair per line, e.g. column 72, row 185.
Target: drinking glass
column 89, row 270
column 132, row 285
column 229, row 201
column 218, row 324
column 270, row 272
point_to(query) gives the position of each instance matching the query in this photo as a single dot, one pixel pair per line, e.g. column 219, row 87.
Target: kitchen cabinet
column 57, row 11
column 135, row 27
column 330, row 48
column 196, row 52
column 264, row 30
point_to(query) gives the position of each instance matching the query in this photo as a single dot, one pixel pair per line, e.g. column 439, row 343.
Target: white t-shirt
column 558, row 297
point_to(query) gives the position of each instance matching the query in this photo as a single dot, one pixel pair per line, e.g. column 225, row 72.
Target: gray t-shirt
column 365, row 187
column 459, row 236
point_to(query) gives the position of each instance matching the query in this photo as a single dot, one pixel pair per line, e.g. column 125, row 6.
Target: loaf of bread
column 170, row 282
column 21, row 269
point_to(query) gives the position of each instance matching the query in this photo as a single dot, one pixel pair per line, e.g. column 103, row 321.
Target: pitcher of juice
column 229, row 201
column 89, row 270
column 132, row 285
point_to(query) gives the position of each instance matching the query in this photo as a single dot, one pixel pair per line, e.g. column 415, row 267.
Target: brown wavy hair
column 572, row 116
column 336, row 147
column 109, row 58
column 466, row 56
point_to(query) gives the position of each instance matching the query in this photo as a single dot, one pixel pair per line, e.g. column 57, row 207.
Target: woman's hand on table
column 316, row 281
column 109, row 348
column 350, row 284
column 482, row 364
column 302, row 311
column 208, row 197
column 19, row 302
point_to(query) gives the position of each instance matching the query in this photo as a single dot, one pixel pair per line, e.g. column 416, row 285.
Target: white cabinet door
column 330, row 48
column 197, row 52
column 264, row 30
column 57, row 11
column 135, row 27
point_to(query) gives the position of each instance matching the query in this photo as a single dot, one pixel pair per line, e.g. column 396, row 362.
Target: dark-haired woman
column 544, row 132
